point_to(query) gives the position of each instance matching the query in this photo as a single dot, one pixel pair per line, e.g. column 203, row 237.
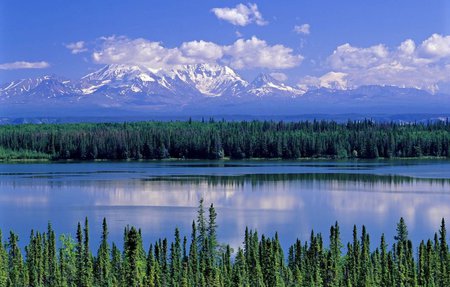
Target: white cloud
column 202, row 51
column 241, row 15
column 331, row 80
column 24, row 65
column 77, row 47
column 282, row 77
column 242, row 54
column 423, row 66
column 302, row 29
column 256, row 53
column 121, row 50
column 436, row 46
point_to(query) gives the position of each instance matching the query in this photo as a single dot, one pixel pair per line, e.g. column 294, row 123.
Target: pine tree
column 175, row 260
column 116, row 266
column 17, row 272
column 212, row 234
column 193, row 262
column 134, row 264
column 201, row 225
column 51, row 258
column 385, row 270
column 3, row 262
column 240, row 273
column 335, row 257
column 103, row 276
column 79, row 258
column 88, row 278
column 402, row 232
column 444, row 276
column 67, row 261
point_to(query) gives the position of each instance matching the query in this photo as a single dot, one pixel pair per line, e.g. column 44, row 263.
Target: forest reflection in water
column 290, row 203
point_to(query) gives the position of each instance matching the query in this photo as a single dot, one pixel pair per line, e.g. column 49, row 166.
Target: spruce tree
column 80, row 276
column 444, row 276
column 88, row 278
column 116, row 266
column 103, row 276
column 212, row 234
column 17, row 272
column 201, row 226
column 51, row 258
column 3, row 262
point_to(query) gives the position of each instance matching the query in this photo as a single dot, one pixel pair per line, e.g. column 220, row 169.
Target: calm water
column 288, row 197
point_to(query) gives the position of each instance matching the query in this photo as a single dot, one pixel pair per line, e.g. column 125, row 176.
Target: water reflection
column 158, row 198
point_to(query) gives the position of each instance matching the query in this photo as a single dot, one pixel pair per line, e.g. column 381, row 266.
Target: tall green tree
column 103, row 274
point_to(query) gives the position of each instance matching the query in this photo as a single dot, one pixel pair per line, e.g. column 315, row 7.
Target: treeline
column 202, row 261
column 237, row 140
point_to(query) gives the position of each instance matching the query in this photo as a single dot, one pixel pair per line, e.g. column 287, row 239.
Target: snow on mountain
column 189, row 80
column 266, row 85
column 209, row 79
column 203, row 87
column 38, row 89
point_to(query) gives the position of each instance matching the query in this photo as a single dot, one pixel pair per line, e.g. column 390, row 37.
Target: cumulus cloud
column 121, row 50
column 437, row 46
column 282, row 77
column 302, row 29
column 24, row 65
column 241, row 15
column 77, row 47
column 202, row 51
column 331, row 80
column 242, row 54
column 422, row 65
column 256, row 53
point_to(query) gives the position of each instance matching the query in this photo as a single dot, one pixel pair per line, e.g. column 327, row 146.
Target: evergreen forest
column 220, row 139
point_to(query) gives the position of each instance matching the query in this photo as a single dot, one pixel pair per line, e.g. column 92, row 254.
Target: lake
column 291, row 197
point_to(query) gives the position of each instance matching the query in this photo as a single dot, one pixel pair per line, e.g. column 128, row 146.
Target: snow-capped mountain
column 198, row 88
column 45, row 88
column 266, row 85
column 208, row 79
column 185, row 81
column 132, row 83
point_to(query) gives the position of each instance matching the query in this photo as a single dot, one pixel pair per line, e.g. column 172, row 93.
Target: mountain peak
column 263, row 79
column 115, row 72
column 264, row 84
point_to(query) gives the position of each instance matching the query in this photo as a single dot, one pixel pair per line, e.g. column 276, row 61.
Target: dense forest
column 218, row 139
column 202, row 261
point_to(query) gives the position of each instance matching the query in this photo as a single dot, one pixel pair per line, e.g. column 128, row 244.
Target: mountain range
column 208, row 89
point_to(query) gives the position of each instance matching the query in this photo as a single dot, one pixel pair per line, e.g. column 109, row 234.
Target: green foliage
column 216, row 140
column 259, row 263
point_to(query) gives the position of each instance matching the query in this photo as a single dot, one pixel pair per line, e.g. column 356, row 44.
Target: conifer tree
column 17, row 272
column 103, row 276
column 88, row 278
column 335, row 257
column 3, row 262
column 51, row 258
column 116, row 266
column 212, row 234
column 67, row 261
column 444, row 276
column 80, row 277
column 201, row 226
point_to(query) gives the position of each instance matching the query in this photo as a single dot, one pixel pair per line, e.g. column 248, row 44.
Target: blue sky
column 340, row 43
